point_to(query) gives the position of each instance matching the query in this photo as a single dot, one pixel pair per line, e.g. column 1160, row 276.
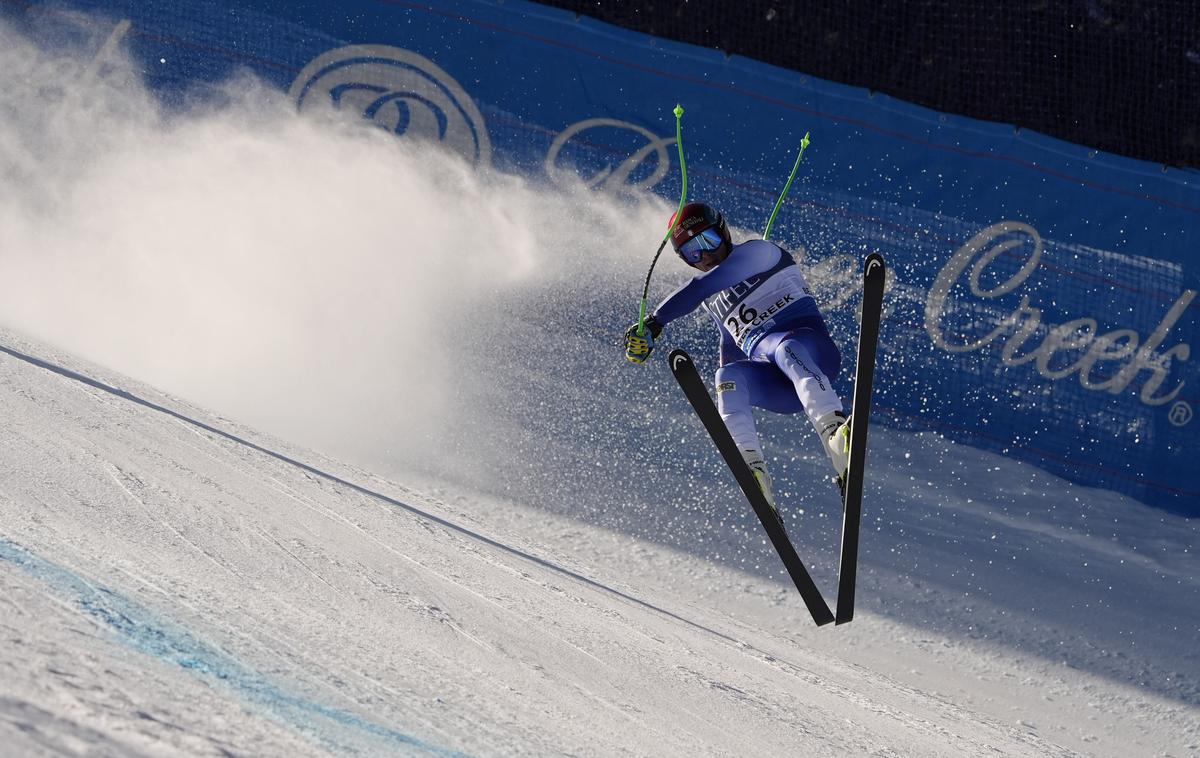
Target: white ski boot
column 834, row 430
column 756, row 463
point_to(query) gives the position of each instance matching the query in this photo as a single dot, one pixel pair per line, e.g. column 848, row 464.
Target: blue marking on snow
column 137, row 628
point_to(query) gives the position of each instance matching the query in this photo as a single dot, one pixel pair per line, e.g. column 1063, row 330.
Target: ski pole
column 786, row 187
column 682, row 197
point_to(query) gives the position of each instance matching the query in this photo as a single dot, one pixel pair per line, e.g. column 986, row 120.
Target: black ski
column 874, row 272
column 693, row 387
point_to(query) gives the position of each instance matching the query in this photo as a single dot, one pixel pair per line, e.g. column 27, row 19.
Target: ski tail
column 874, row 274
column 694, row 388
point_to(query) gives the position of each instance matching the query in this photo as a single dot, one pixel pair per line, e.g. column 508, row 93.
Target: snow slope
column 176, row 584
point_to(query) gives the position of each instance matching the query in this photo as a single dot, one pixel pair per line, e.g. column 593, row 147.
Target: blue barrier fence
column 1043, row 303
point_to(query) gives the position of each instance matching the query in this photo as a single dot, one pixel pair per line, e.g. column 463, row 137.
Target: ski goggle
column 706, row 241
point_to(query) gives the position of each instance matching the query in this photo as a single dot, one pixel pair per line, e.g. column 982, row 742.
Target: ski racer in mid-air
column 776, row 352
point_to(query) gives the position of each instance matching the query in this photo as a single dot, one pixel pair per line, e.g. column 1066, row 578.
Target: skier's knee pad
column 730, row 372
column 732, row 390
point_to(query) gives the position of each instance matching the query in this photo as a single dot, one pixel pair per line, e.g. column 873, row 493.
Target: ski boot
column 834, row 430
column 756, row 463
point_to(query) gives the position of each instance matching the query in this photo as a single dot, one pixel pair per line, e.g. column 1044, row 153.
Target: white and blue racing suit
column 776, row 352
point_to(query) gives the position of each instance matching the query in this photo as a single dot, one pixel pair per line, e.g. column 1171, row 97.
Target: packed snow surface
column 173, row 582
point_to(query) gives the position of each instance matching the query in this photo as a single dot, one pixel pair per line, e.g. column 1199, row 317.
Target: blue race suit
column 776, row 352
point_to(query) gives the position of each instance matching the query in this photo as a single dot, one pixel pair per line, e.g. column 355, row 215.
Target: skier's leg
column 798, row 355
column 810, row 359
column 734, row 394
column 733, row 401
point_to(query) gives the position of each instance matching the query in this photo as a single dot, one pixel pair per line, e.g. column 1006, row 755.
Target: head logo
column 400, row 91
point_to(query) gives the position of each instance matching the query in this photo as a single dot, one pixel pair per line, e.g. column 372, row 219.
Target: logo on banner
column 622, row 177
column 1103, row 361
column 1181, row 413
column 398, row 90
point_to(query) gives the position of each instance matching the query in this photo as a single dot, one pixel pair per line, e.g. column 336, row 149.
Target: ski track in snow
column 175, row 584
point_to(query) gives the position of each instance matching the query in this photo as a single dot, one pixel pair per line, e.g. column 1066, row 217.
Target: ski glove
column 639, row 346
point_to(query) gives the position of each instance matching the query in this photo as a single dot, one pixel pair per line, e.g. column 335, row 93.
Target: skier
column 776, row 352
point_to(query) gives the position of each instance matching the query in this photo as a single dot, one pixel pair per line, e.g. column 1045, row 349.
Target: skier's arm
column 748, row 260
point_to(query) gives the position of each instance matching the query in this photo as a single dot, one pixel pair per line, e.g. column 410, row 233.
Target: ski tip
column 873, row 261
column 678, row 358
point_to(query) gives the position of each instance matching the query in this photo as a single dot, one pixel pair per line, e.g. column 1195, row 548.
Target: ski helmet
column 700, row 229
